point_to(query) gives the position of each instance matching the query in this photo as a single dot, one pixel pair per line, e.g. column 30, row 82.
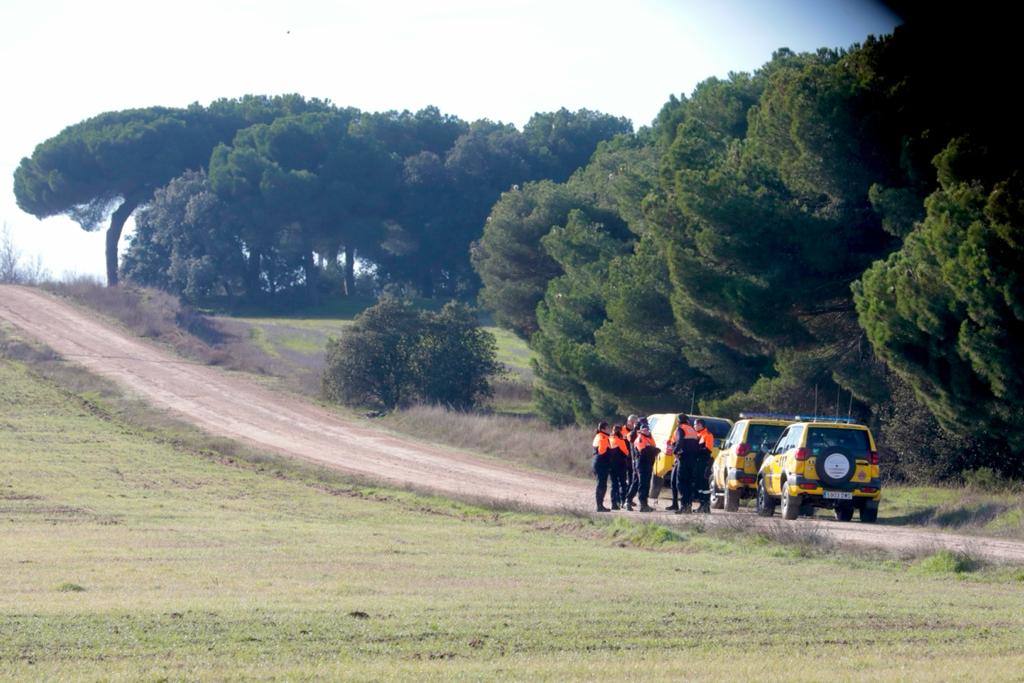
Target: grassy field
column 135, row 552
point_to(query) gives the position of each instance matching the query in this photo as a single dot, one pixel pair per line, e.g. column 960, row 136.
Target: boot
column 644, row 507
column 615, row 506
column 602, row 508
column 630, row 506
column 673, row 506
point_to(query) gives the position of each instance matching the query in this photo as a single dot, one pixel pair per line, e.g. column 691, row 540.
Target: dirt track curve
column 228, row 405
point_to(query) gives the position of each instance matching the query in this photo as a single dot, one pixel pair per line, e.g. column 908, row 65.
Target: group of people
column 626, row 453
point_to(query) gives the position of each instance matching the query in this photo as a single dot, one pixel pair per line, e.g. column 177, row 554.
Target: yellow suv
column 734, row 474
column 821, row 463
column 663, row 430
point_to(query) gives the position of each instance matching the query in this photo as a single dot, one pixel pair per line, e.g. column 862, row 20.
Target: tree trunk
column 350, row 270
column 312, row 273
column 252, row 274
column 117, row 220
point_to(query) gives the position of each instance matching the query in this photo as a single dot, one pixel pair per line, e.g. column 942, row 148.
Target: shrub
column 395, row 355
column 987, row 480
column 948, row 562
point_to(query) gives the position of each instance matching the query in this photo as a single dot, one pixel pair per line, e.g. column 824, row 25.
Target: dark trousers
column 619, row 466
column 602, row 469
column 643, row 466
column 701, row 479
column 683, row 480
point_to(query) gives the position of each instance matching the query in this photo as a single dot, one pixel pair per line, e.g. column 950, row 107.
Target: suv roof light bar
column 799, row 418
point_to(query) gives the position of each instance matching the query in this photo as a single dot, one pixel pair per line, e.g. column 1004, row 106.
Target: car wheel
column 717, row 501
column 732, row 500
column 790, row 504
column 869, row 513
column 844, row 513
column 765, row 504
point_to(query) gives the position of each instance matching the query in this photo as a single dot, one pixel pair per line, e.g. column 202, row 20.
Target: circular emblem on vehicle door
column 836, row 465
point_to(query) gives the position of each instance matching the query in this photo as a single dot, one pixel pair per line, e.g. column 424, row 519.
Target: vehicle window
column 734, row 435
column 783, row 441
column 718, row 428
column 796, row 436
column 652, row 421
column 763, row 437
column 725, row 441
column 822, row 439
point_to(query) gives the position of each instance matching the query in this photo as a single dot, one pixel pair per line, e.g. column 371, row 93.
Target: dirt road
column 232, row 406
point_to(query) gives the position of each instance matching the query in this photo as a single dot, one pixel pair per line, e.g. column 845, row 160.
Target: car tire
column 732, row 500
column 790, row 504
column 717, row 500
column 765, row 504
column 869, row 512
column 844, row 513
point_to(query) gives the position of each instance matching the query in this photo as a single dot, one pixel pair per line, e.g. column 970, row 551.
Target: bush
column 395, row 355
column 948, row 562
column 988, row 480
column 14, row 269
column 917, row 447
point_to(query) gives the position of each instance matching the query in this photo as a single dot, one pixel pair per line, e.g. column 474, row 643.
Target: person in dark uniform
column 633, row 427
column 684, row 448
column 628, row 436
column 646, row 453
column 620, row 464
column 702, row 470
column 601, row 463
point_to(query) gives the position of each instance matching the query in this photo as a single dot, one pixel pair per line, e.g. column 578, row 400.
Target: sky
column 64, row 61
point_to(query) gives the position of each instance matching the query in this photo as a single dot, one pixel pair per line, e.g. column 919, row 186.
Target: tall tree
column 112, row 161
column 108, row 165
column 514, row 267
column 187, row 241
column 563, row 141
column 306, row 177
column 947, row 310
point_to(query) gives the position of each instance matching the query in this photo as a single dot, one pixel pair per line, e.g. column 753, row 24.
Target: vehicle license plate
column 838, row 495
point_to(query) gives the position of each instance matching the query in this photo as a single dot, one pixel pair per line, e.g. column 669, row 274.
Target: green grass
column 512, row 351
column 201, row 564
column 956, row 508
column 946, row 562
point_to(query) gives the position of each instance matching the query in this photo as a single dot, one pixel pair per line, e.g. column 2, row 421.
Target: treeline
column 837, row 230
column 251, row 197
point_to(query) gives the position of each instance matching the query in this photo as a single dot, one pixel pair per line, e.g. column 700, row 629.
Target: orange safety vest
column 708, row 438
column 601, row 443
column 618, row 443
column 642, row 442
column 688, row 433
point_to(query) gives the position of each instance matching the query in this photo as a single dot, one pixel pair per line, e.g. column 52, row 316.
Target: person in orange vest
column 684, row 448
column 620, row 462
column 601, row 463
column 702, row 471
column 627, row 434
column 646, row 452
